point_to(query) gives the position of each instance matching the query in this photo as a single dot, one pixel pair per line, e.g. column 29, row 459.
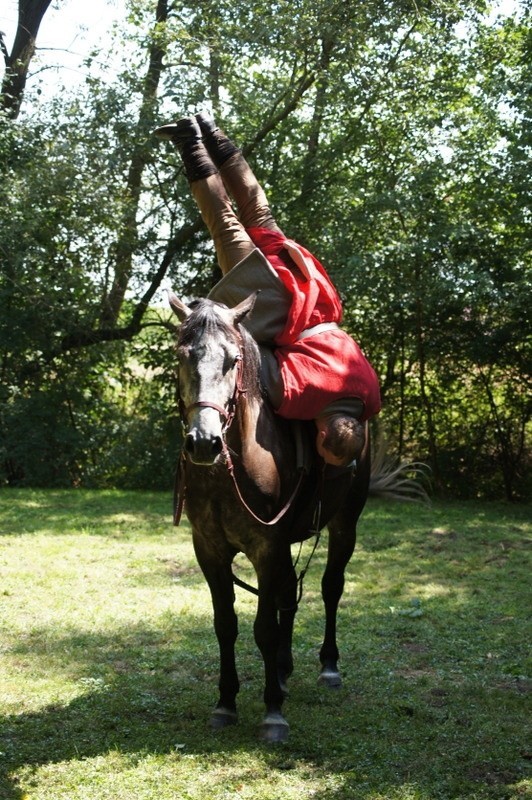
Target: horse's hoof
column 274, row 729
column 330, row 678
column 222, row 718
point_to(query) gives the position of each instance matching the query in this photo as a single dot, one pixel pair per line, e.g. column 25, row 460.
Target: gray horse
column 245, row 493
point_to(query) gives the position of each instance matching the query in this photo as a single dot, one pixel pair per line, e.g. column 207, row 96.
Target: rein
column 281, row 513
column 316, row 532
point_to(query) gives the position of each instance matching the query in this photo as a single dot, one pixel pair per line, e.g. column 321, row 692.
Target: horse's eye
column 231, row 362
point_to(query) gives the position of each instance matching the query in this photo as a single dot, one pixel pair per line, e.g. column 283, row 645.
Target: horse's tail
column 392, row 480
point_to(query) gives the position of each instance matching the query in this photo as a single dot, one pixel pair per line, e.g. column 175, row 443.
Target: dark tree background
column 394, row 141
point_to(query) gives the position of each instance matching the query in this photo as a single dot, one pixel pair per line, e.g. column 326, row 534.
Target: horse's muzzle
column 203, row 449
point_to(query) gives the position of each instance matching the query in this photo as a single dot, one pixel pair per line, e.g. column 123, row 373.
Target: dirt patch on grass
column 177, row 570
column 414, row 674
column 492, row 775
column 437, row 698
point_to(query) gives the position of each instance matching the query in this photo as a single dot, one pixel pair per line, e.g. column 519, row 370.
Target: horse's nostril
column 189, row 443
column 217, row 445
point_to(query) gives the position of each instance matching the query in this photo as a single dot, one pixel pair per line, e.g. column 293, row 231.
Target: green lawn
column 108, row 664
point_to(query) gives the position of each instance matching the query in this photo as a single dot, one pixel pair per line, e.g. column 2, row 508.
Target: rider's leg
column 231, row 241
column 250, row 198
column 241, row 183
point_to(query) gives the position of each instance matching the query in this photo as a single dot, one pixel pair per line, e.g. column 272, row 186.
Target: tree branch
column 290, row 105
column 3, row 48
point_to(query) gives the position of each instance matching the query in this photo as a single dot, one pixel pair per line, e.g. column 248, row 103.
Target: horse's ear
column 244, row 308
column 179, row 308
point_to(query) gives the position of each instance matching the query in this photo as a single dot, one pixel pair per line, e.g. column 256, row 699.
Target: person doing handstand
column 310, row 367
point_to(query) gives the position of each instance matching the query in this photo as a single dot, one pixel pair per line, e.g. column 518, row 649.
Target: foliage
column 392, row 140
column 108, row 666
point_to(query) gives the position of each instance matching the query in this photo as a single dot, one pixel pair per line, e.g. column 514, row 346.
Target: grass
column 108, row 663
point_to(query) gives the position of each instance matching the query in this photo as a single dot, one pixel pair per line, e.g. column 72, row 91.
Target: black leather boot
column 206, row 123
column 220, row 147
column 185, row 134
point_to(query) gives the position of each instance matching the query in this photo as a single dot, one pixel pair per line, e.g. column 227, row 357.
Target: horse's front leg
column 268, row 638
column 287, row 607
column 219, row 577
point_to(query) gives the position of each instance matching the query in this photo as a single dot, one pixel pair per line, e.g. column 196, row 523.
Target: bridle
column 228, row 415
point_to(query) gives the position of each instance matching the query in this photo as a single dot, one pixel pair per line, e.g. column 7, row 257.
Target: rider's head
column 340, row 439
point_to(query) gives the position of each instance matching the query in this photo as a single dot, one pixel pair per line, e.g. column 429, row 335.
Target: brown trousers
column 227, row 227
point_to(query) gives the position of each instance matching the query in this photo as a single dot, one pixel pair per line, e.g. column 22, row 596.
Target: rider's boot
column 220, row 147
column 186, row 135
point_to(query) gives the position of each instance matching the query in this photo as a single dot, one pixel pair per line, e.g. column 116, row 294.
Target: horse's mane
column 204, row 322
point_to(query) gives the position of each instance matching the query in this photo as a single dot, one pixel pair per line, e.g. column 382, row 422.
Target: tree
column 382, row 135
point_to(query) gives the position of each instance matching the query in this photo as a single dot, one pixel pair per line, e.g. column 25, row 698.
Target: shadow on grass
column 141, row 694
column 433, row 702
column 149, row 692
column 24, row 511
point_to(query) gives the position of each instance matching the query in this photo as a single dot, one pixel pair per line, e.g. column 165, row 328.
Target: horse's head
column 210, row 352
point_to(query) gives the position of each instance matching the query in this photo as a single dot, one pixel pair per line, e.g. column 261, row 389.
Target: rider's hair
column 344, row 437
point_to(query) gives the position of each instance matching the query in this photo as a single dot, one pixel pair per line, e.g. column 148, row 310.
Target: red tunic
column 325, row 367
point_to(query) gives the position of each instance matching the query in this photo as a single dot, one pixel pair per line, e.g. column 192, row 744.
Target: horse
column 239, row 465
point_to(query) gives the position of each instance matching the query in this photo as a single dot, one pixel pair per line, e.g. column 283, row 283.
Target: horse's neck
column 255, row 423
column 261, row 449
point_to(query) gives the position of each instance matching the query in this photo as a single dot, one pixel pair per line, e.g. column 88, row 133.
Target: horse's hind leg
column 341, row 546
column 342, row 539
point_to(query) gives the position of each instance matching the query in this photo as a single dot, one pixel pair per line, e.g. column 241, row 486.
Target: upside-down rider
column 311, row 368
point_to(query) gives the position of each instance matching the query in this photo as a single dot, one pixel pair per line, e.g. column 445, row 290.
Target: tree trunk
column 127, row 229
column 310, row 180
column 422, row 364
column 503, row 440
column 30, row 14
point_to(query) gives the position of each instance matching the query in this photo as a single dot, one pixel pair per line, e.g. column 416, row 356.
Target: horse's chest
column 217, row 513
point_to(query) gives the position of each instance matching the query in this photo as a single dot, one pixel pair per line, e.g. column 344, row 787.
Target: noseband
column 227, row 414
